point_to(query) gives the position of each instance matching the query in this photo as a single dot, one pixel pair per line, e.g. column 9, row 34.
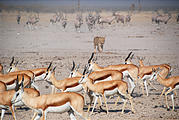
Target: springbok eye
column 17, row 94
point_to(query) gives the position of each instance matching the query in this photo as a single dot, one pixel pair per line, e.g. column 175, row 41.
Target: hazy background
column 72, row 5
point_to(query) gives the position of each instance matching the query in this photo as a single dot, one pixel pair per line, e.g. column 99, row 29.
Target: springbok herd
column 17, row 87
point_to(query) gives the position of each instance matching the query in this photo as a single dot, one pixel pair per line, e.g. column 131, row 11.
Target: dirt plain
column 45, row 43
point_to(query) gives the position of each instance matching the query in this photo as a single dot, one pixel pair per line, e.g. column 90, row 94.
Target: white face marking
column 111, row 92
column 61, row 109
column 75, row 89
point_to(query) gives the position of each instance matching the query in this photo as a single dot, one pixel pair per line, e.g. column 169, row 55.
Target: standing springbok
column 7, row 95
column 38, row 72
column 172, row 83
column 107, row 88
column 145, row 72
column 129, row 70
column 61, row 102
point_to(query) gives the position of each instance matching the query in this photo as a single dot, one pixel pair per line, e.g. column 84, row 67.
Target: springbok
column 7, row 95
column 38, row 72
column 61, row 102
column 107, row 88
column 145, row 72
column 172, row 83
column 129, row 70
column 98, row 43
column 9, row 80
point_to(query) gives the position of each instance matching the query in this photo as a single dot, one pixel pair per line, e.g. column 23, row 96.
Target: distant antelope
column 98, row 43
column 7, row 95
column 18, row 18
column 32, row 20
column 172, row 83
column 78, row 21
column 60, row 102
column 119, row 17
column 128, row 18
column 107, row 20
column 163, row 19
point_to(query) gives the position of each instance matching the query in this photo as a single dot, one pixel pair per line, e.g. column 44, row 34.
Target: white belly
column 176, row 87
column 111, row 92
column 60, row 109
column 146, row 77
column 77, row 88
column 40, row 77
column 107, row 79
column 10, row 87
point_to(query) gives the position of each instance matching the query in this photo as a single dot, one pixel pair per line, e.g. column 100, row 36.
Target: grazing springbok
column 172, row 83
column 107, row 88
column 61, row 102
column 163, row 19
column 98, row 43
column 7, row 95
column 129, row 70
column 32, row 20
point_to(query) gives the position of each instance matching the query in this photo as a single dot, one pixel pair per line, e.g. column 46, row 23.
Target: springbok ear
column 77, row 68
column 12, row 61
column 16, row 63
column 49, row 66
column 84, row 72
column 54, row 69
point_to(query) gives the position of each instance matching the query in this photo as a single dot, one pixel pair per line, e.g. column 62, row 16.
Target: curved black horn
column 17, row 84
column 73, row 67
column 91, row 57
column 49, row 66
column 84, row 70
column 128, row 56
column 12, row 61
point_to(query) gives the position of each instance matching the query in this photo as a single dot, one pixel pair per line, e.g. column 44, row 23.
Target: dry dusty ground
column 34, row 49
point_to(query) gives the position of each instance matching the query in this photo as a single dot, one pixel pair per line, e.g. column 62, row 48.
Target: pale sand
column 33, row 49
